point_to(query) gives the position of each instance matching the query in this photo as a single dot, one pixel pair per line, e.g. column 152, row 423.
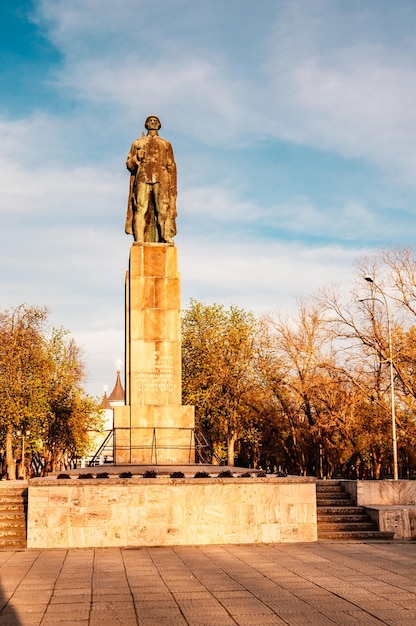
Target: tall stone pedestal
column 153, row 427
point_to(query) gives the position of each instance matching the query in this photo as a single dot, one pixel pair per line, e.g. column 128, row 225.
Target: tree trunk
column 231, row 449
column 11, row 467
column 20, row 469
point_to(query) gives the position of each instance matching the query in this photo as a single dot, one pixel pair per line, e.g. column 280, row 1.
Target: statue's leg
column 139, row 215
column 162, row 204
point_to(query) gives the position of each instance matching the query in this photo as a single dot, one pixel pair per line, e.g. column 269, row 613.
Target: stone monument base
column 153, row 426
column 73, row 513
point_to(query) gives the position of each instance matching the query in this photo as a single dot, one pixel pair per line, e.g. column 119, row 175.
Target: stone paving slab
column 313, row 584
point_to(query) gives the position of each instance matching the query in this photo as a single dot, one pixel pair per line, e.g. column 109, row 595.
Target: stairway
column 339, row 518
column 13, row 508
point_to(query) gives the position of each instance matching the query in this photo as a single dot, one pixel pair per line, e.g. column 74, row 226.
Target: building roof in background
column 117, row 395
column 105, row 403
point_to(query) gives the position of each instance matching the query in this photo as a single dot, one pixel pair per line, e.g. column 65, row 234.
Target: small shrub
column 225, row 474
column 202, row 475
column 84, row 476
column 62, row 476
column 150, row 474
column 177, row 475
column 125, row 475
column 103, row 475
column 261, row 474
column 245, row 475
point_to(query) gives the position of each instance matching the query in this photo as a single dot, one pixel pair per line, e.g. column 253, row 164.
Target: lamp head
column 369, row 279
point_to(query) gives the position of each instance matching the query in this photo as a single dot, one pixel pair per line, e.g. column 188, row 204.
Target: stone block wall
column 163, row 511
column 381, row 492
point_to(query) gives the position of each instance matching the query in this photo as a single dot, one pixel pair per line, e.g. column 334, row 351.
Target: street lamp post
column 369, row 279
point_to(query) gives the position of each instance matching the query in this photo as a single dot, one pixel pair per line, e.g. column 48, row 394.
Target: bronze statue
column 151, row 209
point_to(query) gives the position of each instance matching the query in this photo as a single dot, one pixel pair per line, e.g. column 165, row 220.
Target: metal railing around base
column 108, row 441
column 198, row 448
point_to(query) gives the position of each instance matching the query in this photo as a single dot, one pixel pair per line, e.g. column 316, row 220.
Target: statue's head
column 152, row 123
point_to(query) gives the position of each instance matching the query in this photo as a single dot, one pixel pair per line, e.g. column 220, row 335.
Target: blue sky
column 293, row 124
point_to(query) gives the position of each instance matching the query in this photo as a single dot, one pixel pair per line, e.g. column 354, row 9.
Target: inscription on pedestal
column 156, row 376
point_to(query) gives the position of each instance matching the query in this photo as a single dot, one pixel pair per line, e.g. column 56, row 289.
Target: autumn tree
column 309, row 399
column 218, row 378
column 24, row 366
column 375, row 325
column 72, row 412
column 41, row 375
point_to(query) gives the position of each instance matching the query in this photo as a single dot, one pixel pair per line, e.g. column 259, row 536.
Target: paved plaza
column 255, row 585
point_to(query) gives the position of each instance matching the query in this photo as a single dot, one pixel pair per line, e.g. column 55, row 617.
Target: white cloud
column 345, row 222
column 218, row 203
column 39, row 178
column 364, row 110
column 260, row 275
column 335, row 85
column 299, row 216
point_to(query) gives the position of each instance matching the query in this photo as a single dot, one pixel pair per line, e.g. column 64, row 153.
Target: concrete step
column 340, row 510
column 17, row 497
column 5, row 515
column 12, row 543
column 12, row 532
column 17, row 522
column 12, row 491
column 339, row 519
column 356, row 535
column 344, row 502
column 11, row 500
column 331, row 495
column 320, row 482
column 353, row 517
column 11, row 515
column 13, row 507
column 328, row 488
column 347, row 525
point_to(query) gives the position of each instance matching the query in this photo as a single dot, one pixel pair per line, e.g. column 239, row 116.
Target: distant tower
column 116, row 397
column 102, row 441
column 108, row 412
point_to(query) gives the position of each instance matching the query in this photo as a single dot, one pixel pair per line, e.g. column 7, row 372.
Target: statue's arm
column 171, row 167
column 132, row 161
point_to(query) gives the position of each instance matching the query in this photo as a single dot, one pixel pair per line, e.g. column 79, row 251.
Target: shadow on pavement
column 8, row 615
